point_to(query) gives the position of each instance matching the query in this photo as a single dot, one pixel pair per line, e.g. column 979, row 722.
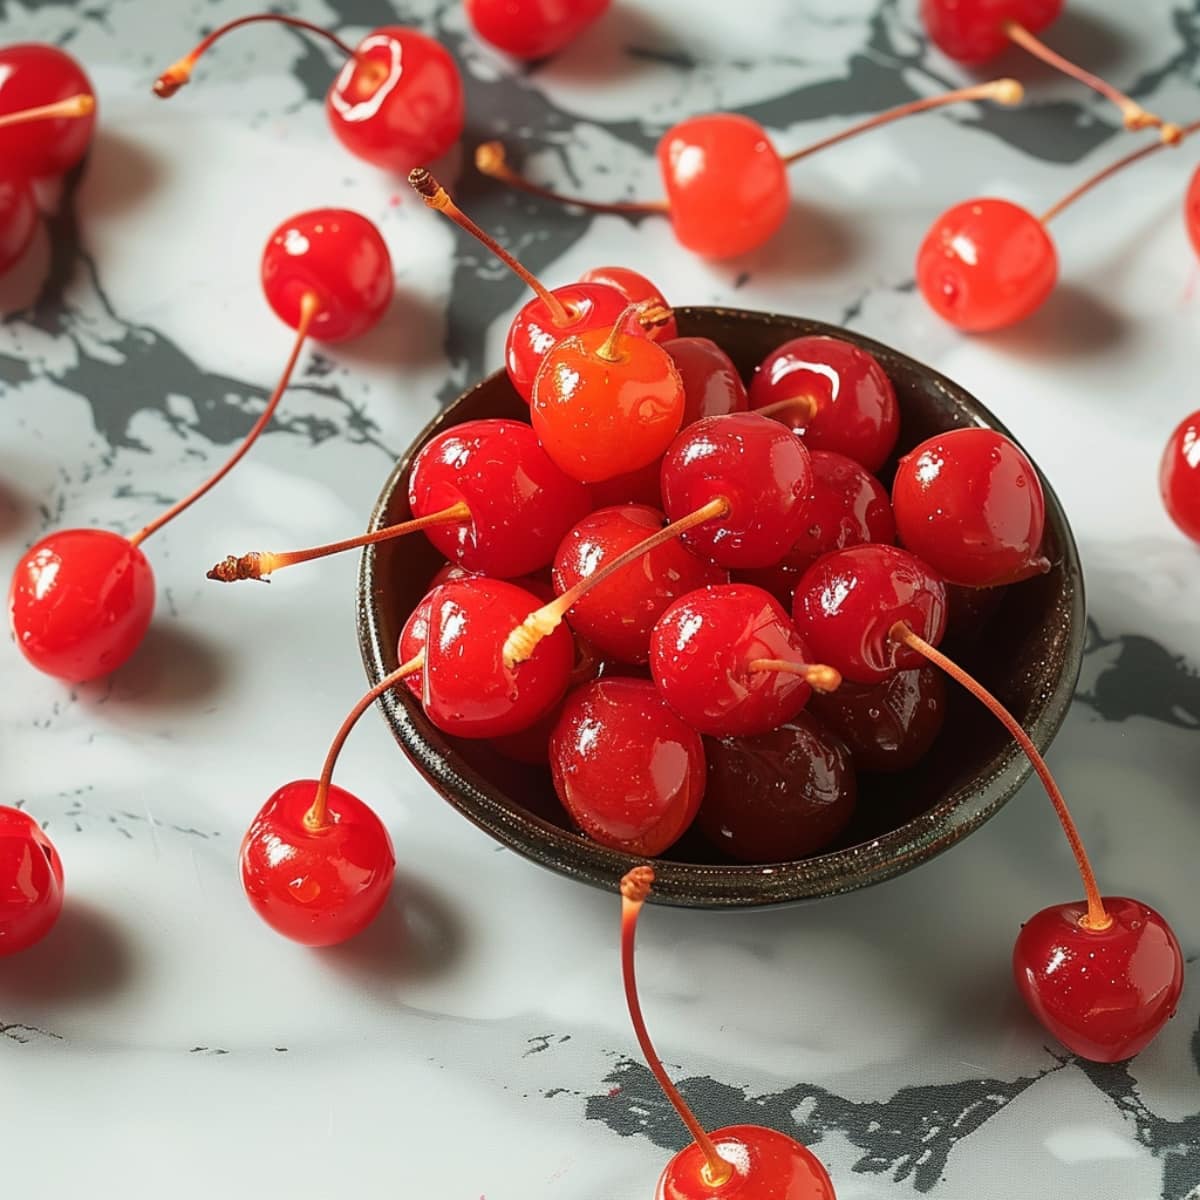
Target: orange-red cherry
column 33, row 75
column 1179, row 476
column 972, row 31
column 31, row 882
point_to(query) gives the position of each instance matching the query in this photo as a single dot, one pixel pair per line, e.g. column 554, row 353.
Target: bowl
column 1030, row 657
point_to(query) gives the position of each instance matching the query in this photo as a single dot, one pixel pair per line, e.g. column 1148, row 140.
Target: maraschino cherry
column 1191, row 210
column 973, row 31
column 397, row 102
column 712, row 386
column 532, row 28
column 1179, row 476
column 727, row 187
column 659, row 319
column 81, row 599
column 31, row 882
column 738, row 1161
column 47, row 110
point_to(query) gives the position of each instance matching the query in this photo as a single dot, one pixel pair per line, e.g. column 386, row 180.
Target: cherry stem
column 1132, row 113
column 818, row 676
column 521, row 643
column 314, row 819
column 1097, row 917
column 179, row 73
column 1003, row 91
column 258, row 564
column 1112, row 169
column 608, row 351
column 81, row 105
column 635, row 887
column 492, row 161
column 310, row 307
column 436, row 196
column 806, row 407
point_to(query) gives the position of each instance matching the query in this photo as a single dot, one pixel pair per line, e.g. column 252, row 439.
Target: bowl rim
column 729, row 885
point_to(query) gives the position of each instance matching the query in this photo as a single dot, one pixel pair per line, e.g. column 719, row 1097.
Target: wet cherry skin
column 970, row 504
column 986, row 264
column 712, row 386
column 18, row 217
column 618, row 615
column 1105, row 994
column 759, row 467
column 636, row 289
column 847, row 602
column 340, row 257
column 31, row 882
column 643, row 486
column 1191, row 210
column 398, row 103
column 80, row 603
column 532, row 28
column 317, row 886
column 32, row 74
column 972, row 31
column 1179, row 476
column 521, row 503
column 727, row 187
column 700, row 655
column 626, row 768
column 767, row 1166
column 777, row 796
column 855, row 404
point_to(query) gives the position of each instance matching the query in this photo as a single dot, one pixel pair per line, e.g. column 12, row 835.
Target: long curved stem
column 309, row 308
column 81, row 105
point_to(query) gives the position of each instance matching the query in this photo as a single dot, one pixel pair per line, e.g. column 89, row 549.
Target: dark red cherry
column 703, row 655
column 779, row 795
column 532, row 28
column 759, row 467
column 626, row 768
column 849, row 507
column 468, row 690
column 521, row 504
column 643, row 486
column 637, row 289
column 986, row 264
column 31, row 882
column 1179, row 476
column 32, row 75
column 618, row 615
column 1105, row 993
column 338, row 256
column 727, row 187
column 970, row 504
column 847, row 602
column 80, row 603
column 834, row 394
column 886, row 726
column 18, row 217
column 972, row 31
column 712, row 386
column 1191, row 210
column 317, row 886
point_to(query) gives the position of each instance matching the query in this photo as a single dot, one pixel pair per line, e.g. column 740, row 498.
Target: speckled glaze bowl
column 1027, row 650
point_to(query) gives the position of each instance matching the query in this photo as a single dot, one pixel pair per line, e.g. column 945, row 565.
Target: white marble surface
column 162, row 1041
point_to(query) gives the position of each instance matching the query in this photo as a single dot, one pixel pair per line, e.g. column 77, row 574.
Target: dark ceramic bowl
column 1026, row 649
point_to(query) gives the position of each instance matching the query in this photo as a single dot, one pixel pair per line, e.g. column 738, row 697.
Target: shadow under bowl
column 1027, row 650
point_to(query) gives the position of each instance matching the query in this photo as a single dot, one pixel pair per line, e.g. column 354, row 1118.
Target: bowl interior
column 1025, row 645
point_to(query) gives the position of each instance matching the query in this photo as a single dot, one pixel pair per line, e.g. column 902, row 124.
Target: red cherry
column 618, row 615
column 643, row 486
column 18, row 217
column 970, row 504
column 986, row 264
column 1104, row 993
column 727, row 187
column 712, row 386
column 626, row 768
column 532, row 28
column 847, row 602
column 1179, row 476
column 317, row 885
column 637, row 289
column 31, row 882
column 777, row 796
column 972, row 31
column 337, row 256
column 834, row 394
column 1191, row 210
column 33, row 75
column 80, row 603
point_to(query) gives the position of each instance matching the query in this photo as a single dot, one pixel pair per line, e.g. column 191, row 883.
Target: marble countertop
column 474, row 1043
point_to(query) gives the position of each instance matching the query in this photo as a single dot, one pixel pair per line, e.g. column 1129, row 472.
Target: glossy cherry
column 1104, row 993
column 31, row 882
column 643, row 486
column 1179, row 476
column 626, row 768
column 637, row 289
column 396, row 103
column 712, row 386
column 618, row 616
column 970, row 504
column 1191, row 210
column 532, row 28
column 33, row 75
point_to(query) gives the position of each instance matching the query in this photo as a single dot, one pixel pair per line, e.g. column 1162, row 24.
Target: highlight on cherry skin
column 31, row 882
column 532, row 29
column 33, row 77
column 1179, row 476
column 397, row 101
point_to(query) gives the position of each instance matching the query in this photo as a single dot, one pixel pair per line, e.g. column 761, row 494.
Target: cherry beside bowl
column 1027, row 649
